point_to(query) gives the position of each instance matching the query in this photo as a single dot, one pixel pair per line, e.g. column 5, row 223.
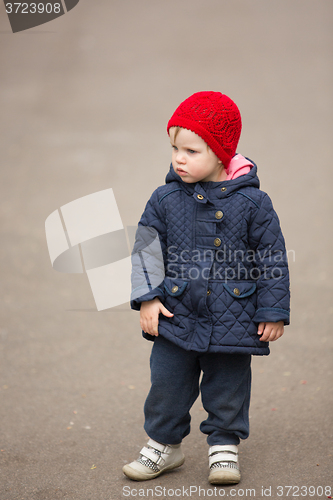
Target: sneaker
column 154, row 459
column 223, row 464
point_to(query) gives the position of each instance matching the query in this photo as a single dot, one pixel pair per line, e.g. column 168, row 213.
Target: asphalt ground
column 84, row 104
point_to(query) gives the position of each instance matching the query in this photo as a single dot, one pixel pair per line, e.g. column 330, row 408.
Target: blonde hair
column 178, row 129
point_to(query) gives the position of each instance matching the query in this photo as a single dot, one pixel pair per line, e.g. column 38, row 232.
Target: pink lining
column 238, row 166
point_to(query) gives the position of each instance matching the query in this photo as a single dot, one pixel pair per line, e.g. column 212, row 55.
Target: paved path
column 84, row 105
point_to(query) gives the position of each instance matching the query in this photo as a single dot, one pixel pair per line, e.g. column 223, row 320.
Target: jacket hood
column 251, row 179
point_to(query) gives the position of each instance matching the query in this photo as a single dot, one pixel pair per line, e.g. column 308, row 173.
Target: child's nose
column 180, row 158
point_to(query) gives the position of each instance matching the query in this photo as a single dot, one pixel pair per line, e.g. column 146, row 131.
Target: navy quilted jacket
column 222, row 266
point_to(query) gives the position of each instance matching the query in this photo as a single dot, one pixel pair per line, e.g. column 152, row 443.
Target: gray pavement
column 84, row 104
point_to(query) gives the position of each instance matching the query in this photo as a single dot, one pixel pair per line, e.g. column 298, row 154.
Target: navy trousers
column 175, row 385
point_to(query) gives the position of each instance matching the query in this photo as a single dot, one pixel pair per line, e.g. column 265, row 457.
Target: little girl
column 224, row 293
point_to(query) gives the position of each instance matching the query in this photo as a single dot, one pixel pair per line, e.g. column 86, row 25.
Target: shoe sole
column 137, row 476
column 224, row 477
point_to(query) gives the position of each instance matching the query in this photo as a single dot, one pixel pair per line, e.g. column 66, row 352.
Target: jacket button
column 208, row 292
column 217, row 242
column 223, row 189
column 219, row 214
column 200, row 197
column 236, row 291
column 174, row 289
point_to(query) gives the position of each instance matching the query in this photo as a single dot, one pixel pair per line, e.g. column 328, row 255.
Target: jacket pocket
column 233, row 305
column 240, row 290
column 178, row 301
column 174, row 287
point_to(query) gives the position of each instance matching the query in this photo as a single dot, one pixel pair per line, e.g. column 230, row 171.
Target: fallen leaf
column 75, row 412
column 131, row 386
column 287, row 374
column 273, row 409
column 69, row 427
column 303, row 382
column 93, row 467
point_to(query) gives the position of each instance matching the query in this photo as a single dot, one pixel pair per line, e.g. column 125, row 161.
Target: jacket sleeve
column 148, row 255
column 267, row 242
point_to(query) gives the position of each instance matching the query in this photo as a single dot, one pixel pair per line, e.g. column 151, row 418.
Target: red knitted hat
column 215, row 118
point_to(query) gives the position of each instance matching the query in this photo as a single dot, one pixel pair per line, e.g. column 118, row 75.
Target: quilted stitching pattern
column 232, row 318
column 179, row 221
column 251, row 251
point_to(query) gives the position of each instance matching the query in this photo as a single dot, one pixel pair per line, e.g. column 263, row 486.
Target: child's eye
column 191, row 151
column 174, row 148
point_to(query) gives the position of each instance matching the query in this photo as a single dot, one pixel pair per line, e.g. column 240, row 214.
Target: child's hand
column 149, row 313
column 270, row 331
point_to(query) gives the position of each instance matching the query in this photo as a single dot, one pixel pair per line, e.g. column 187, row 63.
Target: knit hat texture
column 215, row 118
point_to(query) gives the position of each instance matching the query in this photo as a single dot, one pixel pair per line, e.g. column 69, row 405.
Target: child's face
column 192, row 160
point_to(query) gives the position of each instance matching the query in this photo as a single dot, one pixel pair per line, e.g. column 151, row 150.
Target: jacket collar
column 215, row 190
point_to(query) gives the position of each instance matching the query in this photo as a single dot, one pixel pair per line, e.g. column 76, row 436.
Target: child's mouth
column 180, row 171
